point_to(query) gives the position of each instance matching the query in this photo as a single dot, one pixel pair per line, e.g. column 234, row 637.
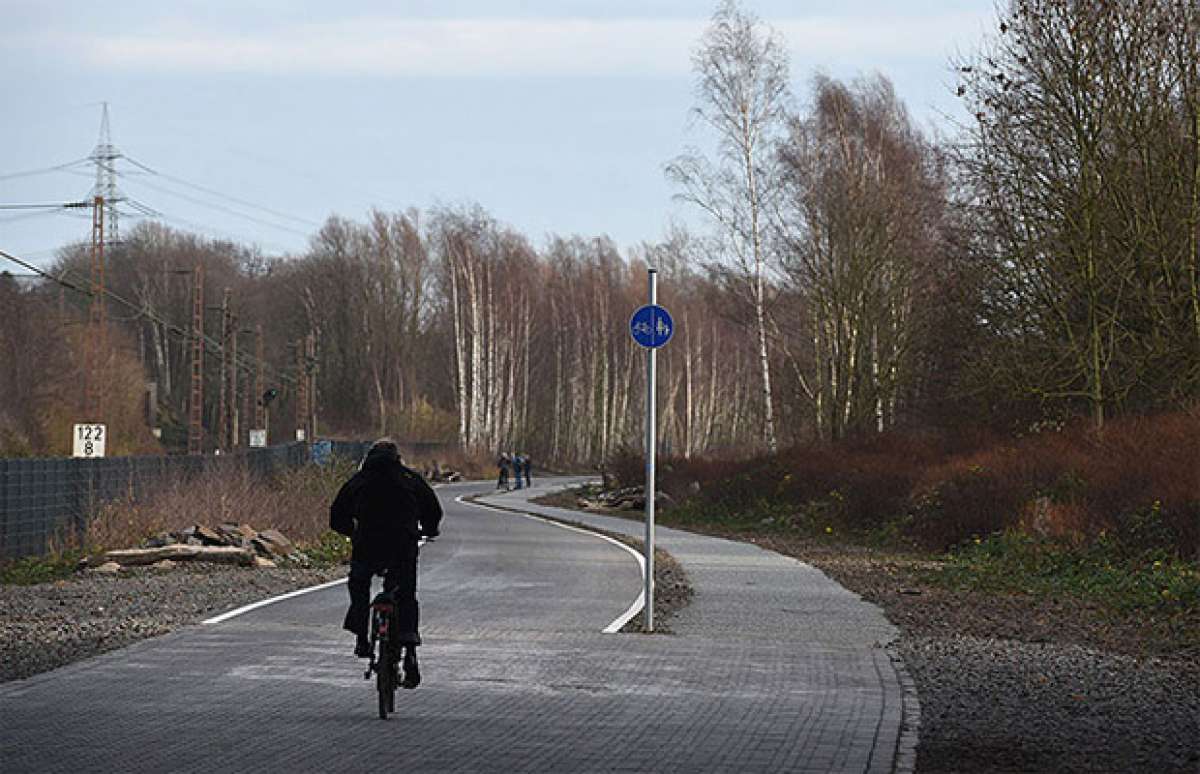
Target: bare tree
column 860, row 228
column 743, row 92
column 1083, row 158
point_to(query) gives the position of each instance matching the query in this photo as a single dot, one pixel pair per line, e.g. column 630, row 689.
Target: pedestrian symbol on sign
column 651, row 326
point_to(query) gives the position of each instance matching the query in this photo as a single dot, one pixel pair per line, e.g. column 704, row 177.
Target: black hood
column 380, row 459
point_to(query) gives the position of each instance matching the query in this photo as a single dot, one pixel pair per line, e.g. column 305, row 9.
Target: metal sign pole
column 651, row 446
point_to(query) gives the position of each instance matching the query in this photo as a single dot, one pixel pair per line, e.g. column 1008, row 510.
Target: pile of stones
column 632, row 498
column 227, row 543
column 438, row 474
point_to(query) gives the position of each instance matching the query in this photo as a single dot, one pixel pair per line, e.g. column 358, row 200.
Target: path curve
column 773, row 668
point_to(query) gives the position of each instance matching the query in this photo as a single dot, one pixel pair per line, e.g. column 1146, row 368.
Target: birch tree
column 859, row 227
column 487, row 274
column 742, row 91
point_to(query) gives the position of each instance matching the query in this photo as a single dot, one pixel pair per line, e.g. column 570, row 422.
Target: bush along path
column 1028, row 654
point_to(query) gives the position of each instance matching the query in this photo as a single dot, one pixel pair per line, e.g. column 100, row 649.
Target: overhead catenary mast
column 196, row 403
column 96, row 342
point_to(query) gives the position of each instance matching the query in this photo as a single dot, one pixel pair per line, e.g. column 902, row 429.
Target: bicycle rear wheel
column 384, row 680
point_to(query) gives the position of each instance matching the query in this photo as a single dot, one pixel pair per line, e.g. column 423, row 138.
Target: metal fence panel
column 41, row 499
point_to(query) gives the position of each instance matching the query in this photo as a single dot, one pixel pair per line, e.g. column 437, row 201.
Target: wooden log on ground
column 173, row 551
column 181, row 552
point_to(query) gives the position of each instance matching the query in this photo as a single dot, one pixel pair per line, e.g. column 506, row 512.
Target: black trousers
column 398, row 577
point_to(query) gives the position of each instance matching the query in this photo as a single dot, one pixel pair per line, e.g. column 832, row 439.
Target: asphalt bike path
column 772, row 668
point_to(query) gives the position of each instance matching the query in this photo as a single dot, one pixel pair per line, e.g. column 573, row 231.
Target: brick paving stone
column 772, row 668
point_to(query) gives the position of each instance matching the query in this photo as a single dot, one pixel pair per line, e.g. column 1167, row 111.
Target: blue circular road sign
column 651, row 326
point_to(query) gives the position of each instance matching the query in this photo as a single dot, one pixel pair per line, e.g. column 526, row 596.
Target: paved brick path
column 857, row 708
column 773, row 668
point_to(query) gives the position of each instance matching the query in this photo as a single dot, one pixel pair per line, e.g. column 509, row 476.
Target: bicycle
column 385, row 630
column 387, row 667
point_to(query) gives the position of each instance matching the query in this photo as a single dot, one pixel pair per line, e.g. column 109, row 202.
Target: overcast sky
column 555, row 116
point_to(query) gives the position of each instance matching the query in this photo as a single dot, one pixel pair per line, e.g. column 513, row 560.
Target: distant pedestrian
column 517, row 462
column 527, row 463
column 502, row 463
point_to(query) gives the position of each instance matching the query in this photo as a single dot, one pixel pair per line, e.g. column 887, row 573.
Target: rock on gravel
column 52, row 624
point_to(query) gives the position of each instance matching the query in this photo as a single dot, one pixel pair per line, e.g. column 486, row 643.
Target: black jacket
column 384, row 508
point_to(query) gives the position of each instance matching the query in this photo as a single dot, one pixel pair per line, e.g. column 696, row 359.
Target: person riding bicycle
column 385, row 508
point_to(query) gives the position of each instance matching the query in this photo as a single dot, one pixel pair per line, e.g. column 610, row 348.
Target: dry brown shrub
column 627, row 467
column 1137, row 480
column 59, row 400
column 225, row 493
column 1076, row 483
column 296, row 503
column 470, row 465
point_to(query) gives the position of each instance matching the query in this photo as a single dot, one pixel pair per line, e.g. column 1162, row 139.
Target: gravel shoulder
column 1015, row 683
column 1012, row 683
column 49, row 625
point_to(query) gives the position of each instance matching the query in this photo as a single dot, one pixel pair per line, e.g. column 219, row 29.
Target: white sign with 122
column 89, row 440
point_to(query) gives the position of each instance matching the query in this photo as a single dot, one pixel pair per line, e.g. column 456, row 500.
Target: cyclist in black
column 385, row 508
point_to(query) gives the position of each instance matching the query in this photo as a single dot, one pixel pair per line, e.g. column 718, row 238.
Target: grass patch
column 329, row 550
column 1153, row 599
column 30, row 570
column 1018, row 563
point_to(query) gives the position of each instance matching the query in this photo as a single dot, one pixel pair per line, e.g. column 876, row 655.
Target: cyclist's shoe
column 362, row 647
column 412, row 673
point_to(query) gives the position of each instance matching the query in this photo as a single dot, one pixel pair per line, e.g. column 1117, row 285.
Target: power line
column 44, row 170
column 222, row 195
column 222, row 208
column 209, row 231
column 59, row 206
column 144, row 209
column 38, row 214
column 104, row 158
column 44, row 274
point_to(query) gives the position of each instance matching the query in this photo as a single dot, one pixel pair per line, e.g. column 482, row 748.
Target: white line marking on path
column 638, row 603
column 264, row 602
